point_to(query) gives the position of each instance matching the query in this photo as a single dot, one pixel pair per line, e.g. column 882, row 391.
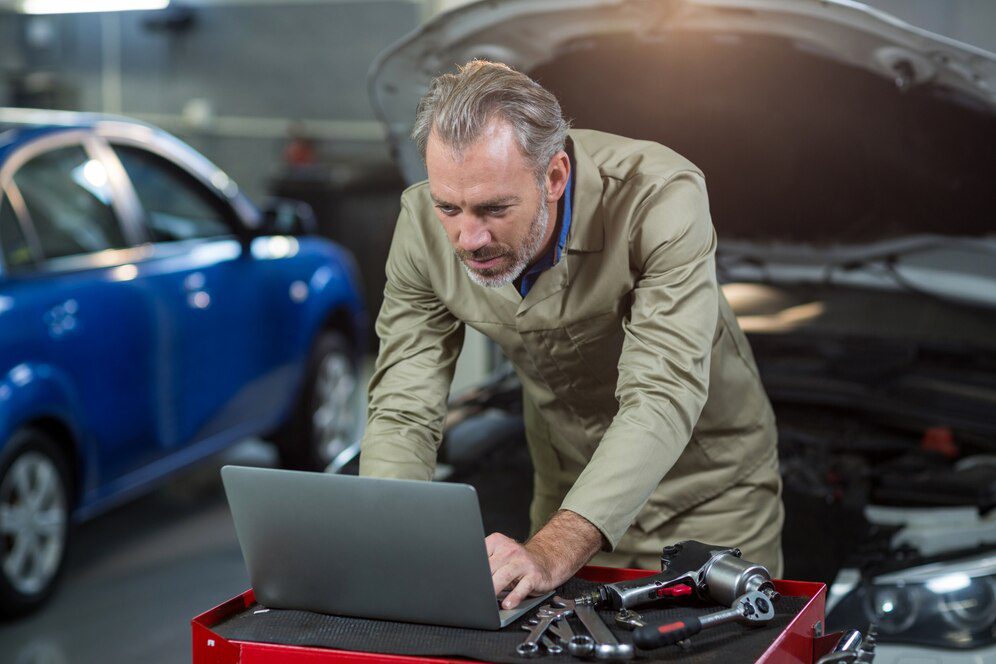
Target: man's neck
column 552, row 233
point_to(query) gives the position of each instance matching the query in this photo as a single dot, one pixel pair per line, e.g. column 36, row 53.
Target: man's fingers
column 519, row 593
column 490, row 542
column 495, row 542
column 504, row 576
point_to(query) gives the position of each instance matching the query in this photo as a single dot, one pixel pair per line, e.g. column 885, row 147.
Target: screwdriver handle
column 655, row 636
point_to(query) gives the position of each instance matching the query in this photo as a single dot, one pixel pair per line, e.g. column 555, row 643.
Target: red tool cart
column 799, row 642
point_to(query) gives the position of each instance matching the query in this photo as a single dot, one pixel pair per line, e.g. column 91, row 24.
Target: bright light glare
column 949, row 583
column 887, row 606
column 95, row 174
column 279, row 246
column 276, row 247
column 221, row 181
column 124, row 273
column 199, row 300
column 78, row 6
column 21, row 375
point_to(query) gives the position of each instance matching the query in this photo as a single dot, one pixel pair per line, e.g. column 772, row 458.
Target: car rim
column 32, row 522
column 334, row 418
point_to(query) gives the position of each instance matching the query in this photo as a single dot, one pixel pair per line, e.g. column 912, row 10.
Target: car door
column 80, row 324
column 211, row 297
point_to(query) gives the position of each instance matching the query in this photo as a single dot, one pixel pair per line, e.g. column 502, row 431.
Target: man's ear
column 557, row 175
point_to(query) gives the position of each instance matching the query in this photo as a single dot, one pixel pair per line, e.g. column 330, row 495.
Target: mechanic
column 589, row 259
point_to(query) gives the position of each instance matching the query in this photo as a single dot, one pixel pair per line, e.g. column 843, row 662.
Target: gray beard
column 526, row 253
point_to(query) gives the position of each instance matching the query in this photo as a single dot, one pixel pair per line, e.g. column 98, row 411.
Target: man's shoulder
column 416, row 197
column 622, row 158
column 416, row 210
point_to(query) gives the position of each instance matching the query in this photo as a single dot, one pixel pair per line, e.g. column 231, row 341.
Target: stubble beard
column 531, row 244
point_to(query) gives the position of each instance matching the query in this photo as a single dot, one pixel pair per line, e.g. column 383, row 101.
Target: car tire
column 35, row 499
column 324, row 421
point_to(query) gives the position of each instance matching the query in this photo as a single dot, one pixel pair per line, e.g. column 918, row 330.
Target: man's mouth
column 485, row 263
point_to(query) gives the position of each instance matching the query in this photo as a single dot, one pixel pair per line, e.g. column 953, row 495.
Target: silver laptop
column 366, row 547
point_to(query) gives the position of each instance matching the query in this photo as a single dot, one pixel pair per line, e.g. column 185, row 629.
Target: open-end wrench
column 753, row 608
column 552, row 647
column 546, row 616
column 605, row 646
column 562, row 628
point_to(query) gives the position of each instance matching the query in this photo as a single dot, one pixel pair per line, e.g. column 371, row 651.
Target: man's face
column 490, row 204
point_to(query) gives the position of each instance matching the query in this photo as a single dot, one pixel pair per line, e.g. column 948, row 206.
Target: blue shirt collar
column 552, row 256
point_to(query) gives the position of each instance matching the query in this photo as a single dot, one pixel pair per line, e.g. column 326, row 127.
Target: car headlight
column 948, row 604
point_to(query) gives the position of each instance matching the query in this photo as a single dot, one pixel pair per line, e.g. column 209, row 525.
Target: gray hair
column 460, row 106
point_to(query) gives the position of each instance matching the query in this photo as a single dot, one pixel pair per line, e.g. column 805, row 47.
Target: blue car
column 150, row 317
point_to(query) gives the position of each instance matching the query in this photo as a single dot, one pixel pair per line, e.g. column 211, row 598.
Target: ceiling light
column 75, row 6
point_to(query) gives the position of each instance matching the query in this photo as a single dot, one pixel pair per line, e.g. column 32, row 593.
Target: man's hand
column 551, row 557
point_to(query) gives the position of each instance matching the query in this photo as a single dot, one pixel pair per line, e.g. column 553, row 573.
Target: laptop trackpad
column 508, row 616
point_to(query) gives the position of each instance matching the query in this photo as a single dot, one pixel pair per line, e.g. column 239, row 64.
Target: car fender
column 335, row 297
column 30, row 392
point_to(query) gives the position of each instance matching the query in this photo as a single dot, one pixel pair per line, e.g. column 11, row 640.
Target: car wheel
column 324, row 422
column 34, row 521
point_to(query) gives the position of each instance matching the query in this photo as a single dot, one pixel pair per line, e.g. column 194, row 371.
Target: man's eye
column 447, row 209
column 495, row 210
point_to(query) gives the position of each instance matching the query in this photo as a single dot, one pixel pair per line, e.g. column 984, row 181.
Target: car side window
column 177, row 206
column 16, row 251
column 68, row 198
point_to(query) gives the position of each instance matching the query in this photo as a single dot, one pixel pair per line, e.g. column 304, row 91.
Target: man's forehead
column 479, row 198
column 490, row 167
column 496, row 139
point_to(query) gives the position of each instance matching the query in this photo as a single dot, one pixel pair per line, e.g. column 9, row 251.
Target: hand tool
column 605, row 646
column 712, row 572
column 562, row 628
column 546, row 615
column 753, row 608
column 629, row 619
column 852, row 648
column 552, row 647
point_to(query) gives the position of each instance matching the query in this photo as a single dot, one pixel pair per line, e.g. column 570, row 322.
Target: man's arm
column 419, row 343
column 662, row 388
column 664, row 364
column 550, row 558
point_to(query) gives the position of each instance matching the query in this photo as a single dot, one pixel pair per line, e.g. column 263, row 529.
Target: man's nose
column 473, row 234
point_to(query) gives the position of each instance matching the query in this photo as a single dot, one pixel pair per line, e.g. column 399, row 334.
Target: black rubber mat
column 723, row 644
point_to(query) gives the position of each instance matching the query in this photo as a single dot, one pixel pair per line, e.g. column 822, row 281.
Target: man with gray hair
column 589, row 258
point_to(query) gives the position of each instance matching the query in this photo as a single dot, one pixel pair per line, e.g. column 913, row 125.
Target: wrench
column 753, row 608
column 552, row 646
column 602, row 643
column 546, row 615
column 562, row 628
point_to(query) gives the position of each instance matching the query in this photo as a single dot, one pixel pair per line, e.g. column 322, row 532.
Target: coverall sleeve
column 420, row 340
column 664, row 364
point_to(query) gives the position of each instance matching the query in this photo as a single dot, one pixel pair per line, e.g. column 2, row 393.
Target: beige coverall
column 644, row 410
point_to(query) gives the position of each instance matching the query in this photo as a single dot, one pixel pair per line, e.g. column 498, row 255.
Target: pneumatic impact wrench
column 711, row 572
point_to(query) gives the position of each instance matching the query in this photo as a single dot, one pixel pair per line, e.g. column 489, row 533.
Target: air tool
column 711, row 572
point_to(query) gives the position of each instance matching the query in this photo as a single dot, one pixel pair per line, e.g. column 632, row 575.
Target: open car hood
column 818, row 124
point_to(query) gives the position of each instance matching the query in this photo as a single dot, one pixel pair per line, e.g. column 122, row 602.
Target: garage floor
column 137, row 575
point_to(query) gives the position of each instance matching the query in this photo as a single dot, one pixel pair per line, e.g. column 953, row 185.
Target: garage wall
column 11, row 60
column 230, row 82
